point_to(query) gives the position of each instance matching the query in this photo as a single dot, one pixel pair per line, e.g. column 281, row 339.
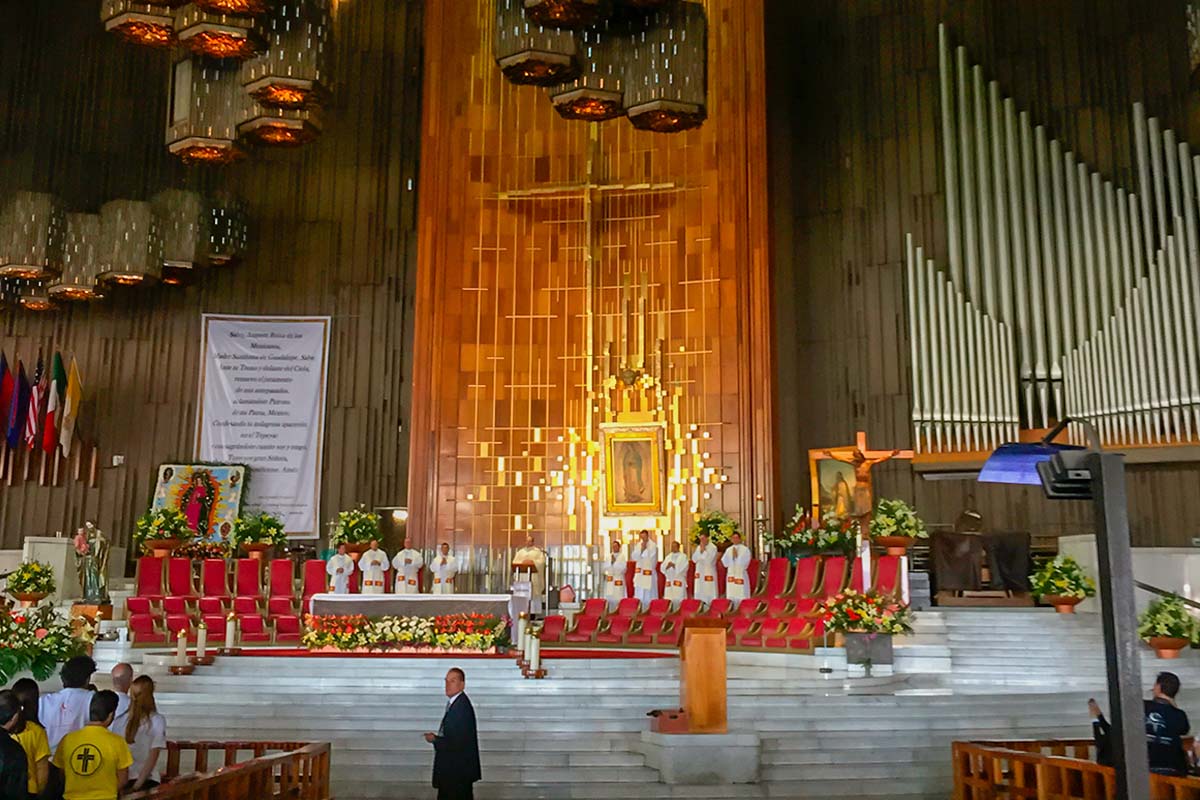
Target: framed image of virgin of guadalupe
column 634, row 480
column 208, row 495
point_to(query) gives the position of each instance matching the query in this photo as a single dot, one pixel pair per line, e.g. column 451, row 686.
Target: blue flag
column 19, row 407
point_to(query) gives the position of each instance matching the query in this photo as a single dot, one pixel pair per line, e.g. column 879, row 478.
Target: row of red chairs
column 253, row 628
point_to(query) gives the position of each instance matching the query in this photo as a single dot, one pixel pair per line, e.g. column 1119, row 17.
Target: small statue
column 91, row 563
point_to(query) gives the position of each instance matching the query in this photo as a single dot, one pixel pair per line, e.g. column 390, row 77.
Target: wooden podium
column 702, row 675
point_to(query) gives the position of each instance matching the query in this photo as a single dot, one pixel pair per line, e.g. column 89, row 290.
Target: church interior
column 745, row 398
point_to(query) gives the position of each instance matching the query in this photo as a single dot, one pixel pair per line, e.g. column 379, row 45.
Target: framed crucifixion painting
column 841, row 477
column 634, row 478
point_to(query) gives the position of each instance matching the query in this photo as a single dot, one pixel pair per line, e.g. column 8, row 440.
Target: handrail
column 299, row 772
column 1164, row 593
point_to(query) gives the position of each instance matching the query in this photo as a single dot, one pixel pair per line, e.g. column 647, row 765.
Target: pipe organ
column 1061, row 293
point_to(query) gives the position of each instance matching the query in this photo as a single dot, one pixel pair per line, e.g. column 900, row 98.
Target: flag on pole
column 54, row 405
column 6, row 389
column 37, row 392
column 71, row 402
column 18, row 407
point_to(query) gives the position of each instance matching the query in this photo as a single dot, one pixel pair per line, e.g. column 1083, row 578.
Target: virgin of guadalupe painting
column 633, row 474
column 209, row 496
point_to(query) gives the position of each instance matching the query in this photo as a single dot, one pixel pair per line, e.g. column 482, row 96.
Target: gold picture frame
column 634, row 480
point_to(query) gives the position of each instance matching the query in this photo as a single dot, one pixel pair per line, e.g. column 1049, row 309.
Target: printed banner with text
column 262, row 404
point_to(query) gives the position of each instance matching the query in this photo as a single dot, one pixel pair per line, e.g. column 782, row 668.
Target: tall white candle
column 230, row 630
column 760, row 507
column 181, row 648
column 520, row 626
column 535, row 653
column 201, row 640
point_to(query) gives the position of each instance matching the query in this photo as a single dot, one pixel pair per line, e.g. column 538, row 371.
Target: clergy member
column 737, row 562
column 645, row 575
column 407, row 566
column 339, row 568
column 374, row 564
column 532, row 554
column 444, row 568
column 614, row 575
column 705, row 559
column 675, row 569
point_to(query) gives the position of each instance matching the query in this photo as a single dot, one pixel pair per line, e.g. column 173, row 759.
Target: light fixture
column 79, row 279
column 644, row 5
column 228, row 230
column 130, row 243
column 279, row 127
column 596, row 95
column 217, row 35
column 529, row 53
column 183, row 219
column 206, row 101
column 566, row 13
column 666, row 86
column 32, row 296
column 150, row 24
column 32, row 229
column 290, row 73
column 246, row 8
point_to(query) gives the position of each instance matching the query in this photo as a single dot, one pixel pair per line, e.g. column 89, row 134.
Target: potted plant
column 1167, row 626
column 31, row 582
column 37, row 640
column 896, row 526
column 161, row 530
column 355, row 528
column 258, row 533
column 1062, row 584
column 803, row 536
column 719, row 526
column 865, row 623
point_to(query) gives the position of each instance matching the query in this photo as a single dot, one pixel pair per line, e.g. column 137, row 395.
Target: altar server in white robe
column 444, row 568
column 339, row 568
column 645, row 576
column 675, row 570
column 374, row 564
column 532, row 554
column 407, row 566
column 737, row 562
column 705, row 559
column 614, row 575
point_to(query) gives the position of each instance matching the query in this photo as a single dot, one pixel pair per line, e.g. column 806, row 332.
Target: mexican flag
column 70, row 411
column 54, row 407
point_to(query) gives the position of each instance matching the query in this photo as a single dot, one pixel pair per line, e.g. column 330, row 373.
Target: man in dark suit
column 456, row 744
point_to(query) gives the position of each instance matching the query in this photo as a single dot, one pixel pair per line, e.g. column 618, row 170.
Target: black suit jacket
column 456, row 749
column 14, row 769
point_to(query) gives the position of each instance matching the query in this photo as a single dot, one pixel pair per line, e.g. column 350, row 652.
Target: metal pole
column 1121, row 641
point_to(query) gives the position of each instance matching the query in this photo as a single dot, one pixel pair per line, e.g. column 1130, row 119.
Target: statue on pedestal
column 91, row 562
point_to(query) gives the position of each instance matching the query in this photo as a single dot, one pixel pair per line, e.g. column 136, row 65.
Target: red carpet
column 296, row 652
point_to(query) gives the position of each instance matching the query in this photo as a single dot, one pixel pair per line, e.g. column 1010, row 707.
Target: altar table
column 410, row 605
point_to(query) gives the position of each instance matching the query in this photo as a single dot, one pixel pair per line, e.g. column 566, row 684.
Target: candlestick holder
column 229, row 651
column 201, row 661
column 176, row 669
column 534, row 674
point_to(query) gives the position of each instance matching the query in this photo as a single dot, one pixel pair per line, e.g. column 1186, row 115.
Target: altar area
column 415, row 605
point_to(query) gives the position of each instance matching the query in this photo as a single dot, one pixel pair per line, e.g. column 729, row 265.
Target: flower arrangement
column 896, row 518
column 453, row 631
column 802, row 536
column 32, row 577
column 1062, row 577
column 859, row 612
column 260, row 528
column 159, row 524
column 1167, row 617
column 719, row 526
column 202, row 549
column 356, row 526
column 35, row 640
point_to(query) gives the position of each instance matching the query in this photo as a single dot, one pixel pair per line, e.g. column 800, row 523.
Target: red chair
column 615, row 630
column 646, row 631
column 672, row 631
column 805, row 582
column 552, row 629
column 248, row 580
column 689, row 607
column 778, row 571
column 254, row 629
column 720, row 607
column 246, row 605
column 779, row 607
column 281, row 588
column 750, row 607
column 141, row 605
column 174, row 606
column 149, row 580
column 752, row 574
column 287, row 628
column 143, row 629
column 214, row 578
column 658, row 607
column 856, row 575
column 179, row 578
column 833, row 577
column 628, row 607
column 887, row 575
column 216, row 627
column 315, row 582
column 215, row 605
column 352, row 586
column 794, row 634
column 739, row 628
column 594, row 607
column 630, row 571
column 584, row 630
column 180, row 622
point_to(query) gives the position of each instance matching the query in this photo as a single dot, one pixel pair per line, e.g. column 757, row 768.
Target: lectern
column 702, row 675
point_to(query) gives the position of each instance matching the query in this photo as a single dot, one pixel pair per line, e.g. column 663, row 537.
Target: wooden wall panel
column 855, row 163
column 333, row 232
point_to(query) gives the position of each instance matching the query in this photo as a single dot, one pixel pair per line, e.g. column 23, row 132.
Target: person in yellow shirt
column 32, row 736
column 95, row 760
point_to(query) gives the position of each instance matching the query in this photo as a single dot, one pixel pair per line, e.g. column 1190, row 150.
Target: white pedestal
column 703, row 759
column 59, row 553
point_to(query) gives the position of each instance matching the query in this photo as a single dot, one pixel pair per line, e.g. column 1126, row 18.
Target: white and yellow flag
column 74, row 398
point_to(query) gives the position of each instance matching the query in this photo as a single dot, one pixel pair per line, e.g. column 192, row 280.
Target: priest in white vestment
column 705, row 559
column 737, row 564
column 645, row 575
column 407, row 569
column 444, row 567
column 675, row 569
column 614, row 575
column 533, row 555
column 374, row 564
column 340, row 567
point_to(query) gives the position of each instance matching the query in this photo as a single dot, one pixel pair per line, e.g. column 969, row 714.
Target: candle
column 521, row 631
column 201, row 640
column 181, row 648
column 535, row 653
column 760, row 507
column 230, row 630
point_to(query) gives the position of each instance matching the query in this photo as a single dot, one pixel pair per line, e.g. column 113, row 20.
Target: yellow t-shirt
column 36, row 746
column 90, row 758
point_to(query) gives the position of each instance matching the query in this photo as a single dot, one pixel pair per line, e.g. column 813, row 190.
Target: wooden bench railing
column 1047, row 769
column 273, row 770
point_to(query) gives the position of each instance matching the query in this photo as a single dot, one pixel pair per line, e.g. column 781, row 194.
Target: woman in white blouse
column 146, row 732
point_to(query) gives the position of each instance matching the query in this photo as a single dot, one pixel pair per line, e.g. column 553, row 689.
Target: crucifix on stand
column 854, row 501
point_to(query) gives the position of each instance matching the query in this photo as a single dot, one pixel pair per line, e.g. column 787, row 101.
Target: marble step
column 542, row 790
column 415, row 771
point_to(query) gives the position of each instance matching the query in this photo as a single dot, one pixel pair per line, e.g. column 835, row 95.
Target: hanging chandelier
column 131, row 247
column 150, row 24
column 203, row 112
column 596, row 95
column 667, row 80
column 532, row 54
column 566, row 13
column 217, row 35
column 32, row 229
column 279, row 127
column 183, row 219
column 81, row 269
column 291, row 71
column 229, row 230
column 246, row 8
column 32, row 296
